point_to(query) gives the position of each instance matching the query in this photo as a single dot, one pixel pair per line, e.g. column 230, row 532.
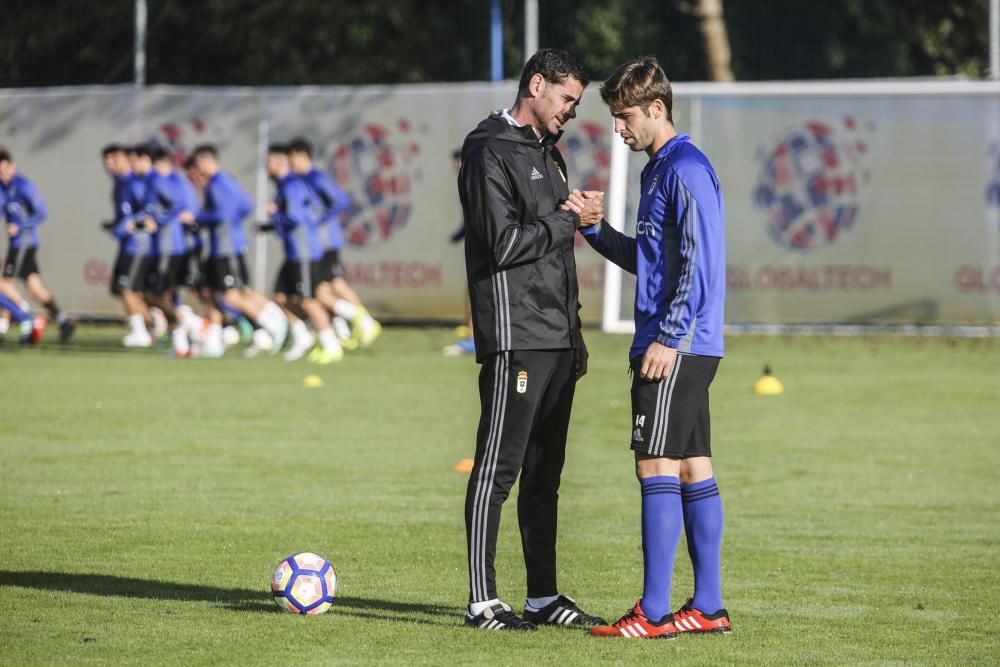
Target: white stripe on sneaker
column 641, row 629
column 624, row 632
column 694, row 621
column 562, row 617
column 552, row 616
column 572, row 617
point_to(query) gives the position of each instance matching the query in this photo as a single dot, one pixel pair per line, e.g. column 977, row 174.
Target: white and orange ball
column 304, row 583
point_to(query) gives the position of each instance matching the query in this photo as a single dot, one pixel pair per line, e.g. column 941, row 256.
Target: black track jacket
column 518, row 245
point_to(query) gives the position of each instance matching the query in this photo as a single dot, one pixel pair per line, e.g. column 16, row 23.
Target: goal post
column 611, row 319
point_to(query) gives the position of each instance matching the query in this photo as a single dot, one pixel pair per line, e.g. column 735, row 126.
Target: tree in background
column 293, row 42
column 713, row 30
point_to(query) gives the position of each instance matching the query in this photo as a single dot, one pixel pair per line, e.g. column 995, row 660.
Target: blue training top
column 193, row 242
column 165, row 200
column 23, row 207
column 227, row 205
column 333, row 201
column 123, row 198
column 678, row 255
column 294, row 221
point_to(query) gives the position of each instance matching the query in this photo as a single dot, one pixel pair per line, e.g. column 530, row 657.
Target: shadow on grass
column 235, row 599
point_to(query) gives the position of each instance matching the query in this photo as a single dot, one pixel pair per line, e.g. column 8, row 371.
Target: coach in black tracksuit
column 523, row 289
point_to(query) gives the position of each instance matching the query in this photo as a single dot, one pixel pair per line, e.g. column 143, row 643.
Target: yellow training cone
column 312, row 381
column 463, row 465
column 768, row 385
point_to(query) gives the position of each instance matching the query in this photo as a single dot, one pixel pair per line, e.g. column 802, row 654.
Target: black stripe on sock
column 686, row 489
column 692, row 497
column 660, row 492
column 672, row 487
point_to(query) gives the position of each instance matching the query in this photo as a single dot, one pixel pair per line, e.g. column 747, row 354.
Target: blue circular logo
column 809, row 183
column 376, row 167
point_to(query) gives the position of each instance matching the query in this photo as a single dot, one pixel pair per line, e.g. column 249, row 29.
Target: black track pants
column 526, row 397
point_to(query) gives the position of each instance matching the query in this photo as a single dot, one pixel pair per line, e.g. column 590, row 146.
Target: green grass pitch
column 145, row 501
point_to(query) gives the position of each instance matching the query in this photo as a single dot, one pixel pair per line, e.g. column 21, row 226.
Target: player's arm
column 492, row 217
column 697, row 226
column 292, row 207
column 35, row 205
column 612, row 244
column 244, row 206
column 123, row 224
column 335, row 200
column 171, row 203
column 211, row 213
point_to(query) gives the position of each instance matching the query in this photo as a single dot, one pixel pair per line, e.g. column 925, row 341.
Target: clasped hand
column 588, row 205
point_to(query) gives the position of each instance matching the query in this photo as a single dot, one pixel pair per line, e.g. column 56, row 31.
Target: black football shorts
column 670, row 417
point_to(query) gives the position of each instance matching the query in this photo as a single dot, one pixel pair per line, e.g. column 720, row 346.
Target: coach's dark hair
column 300, row 145
column 636, row 84
column 112, row 148
column 205, row 149
column 555, row 66
column 5, row 155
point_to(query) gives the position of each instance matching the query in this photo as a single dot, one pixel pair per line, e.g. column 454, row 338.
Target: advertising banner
column 846, row 208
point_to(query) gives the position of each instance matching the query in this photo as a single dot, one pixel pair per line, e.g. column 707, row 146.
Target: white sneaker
column 230, row 336
column 278, row 335
column 182, row 347
column 261, row 343
column 212, row 351
column 299, row 348
column 137, row 339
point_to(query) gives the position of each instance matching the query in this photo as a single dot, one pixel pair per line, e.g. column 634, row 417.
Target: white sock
column 345, row 309
column 328, row 340
column 299, row 332
column 138, row 325
column 270, row 316
column 191, row 322
column 4, row 325
column 476, row 608
column 214, row 336
column 25, row 327
column 180, row 340
column 341, row 328
column 536, row 604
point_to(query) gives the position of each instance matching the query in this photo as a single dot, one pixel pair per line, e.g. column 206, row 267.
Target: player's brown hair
column 636, row 84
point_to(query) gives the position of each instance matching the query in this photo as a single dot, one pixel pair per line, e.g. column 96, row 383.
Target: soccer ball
column 304, row 583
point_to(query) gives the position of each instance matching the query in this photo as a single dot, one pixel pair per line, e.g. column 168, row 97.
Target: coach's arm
column 492, row 218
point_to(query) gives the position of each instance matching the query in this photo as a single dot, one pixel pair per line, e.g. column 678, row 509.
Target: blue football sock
column 703, row 525
column 227, row 309
column 662, row 518
column 16, row 313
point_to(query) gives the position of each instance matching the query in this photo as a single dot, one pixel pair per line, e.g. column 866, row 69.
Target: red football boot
column 688, row 619
column 635, row 625
column 37, row 329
